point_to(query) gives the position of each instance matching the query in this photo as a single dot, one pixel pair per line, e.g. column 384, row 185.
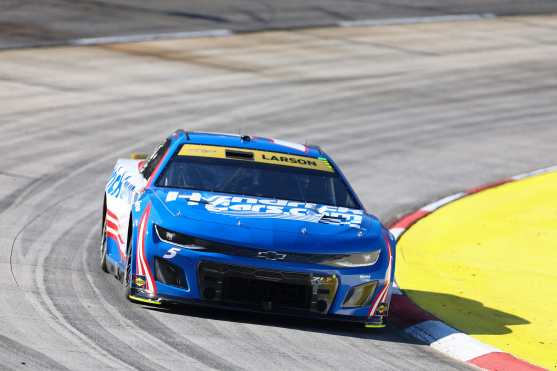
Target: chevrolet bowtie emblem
column 271, row 255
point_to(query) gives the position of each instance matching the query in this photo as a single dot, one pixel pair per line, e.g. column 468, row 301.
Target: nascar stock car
column 247, row 223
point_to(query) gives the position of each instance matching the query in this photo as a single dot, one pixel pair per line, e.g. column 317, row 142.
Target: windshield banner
column 274, row 158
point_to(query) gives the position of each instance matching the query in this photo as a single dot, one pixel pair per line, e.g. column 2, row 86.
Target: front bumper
column 261, row 285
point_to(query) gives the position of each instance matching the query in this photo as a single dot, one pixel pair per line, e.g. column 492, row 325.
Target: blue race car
column 246, row 223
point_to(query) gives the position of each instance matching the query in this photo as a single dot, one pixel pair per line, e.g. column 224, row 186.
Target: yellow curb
column 487, row 265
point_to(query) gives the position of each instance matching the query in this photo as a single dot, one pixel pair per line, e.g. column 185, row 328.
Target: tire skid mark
column 43, row 118
column 51, row 307
column 97, row 126
column 424, row 126
column 18, row 234
column 19, row 193
column 89, row 327
column 53, row 181
column 27, row 356
column 179, row 343
column 46, row 305
column 134, row 314
column 84, row 122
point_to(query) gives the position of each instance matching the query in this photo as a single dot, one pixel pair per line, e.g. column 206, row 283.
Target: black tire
column 104, row 265
column 126, row 276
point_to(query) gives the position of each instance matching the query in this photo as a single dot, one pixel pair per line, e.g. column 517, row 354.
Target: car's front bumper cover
column 260, row 285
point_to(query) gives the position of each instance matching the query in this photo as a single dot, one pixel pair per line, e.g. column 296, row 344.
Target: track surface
column 43, row 22
column 411, row 113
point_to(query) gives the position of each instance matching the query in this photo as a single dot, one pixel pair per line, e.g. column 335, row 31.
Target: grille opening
column 266, row 289
column 257, row 292
column 169, row 274
column 270, row 276
column 240, row 155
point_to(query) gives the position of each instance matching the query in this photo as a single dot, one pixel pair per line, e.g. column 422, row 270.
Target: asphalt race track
column 411, row 113
column 25, row 23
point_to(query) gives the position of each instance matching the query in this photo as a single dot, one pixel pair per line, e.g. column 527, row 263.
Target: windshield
column 253, row 178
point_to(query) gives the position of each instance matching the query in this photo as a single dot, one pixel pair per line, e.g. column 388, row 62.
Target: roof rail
column 182, row 131
column 316, row 147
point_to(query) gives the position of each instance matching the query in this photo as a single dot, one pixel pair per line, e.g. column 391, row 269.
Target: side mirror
column 139, row 156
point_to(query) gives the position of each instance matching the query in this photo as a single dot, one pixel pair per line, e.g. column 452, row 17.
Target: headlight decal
column 366, row 259
column 177, row 239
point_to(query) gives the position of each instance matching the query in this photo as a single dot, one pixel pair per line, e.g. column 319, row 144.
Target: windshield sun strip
column 267, row 157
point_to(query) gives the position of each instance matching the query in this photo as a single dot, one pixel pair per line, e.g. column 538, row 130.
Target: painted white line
column 532, row 173
column 414, row 20
column 430, row 331
column 449, row 341
column 88, row 41
column 442, row 202
column 396, row 232
column 462, row 347
column 148, row 37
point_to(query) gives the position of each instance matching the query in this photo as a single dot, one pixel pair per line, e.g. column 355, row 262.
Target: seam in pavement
column 104, row 40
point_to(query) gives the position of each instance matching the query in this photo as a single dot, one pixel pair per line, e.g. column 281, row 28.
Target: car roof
column 247, row 142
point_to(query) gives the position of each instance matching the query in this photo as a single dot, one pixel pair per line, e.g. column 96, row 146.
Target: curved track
column 410, row 113
column 28, row 23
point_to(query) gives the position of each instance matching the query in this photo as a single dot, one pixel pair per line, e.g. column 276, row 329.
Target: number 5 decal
column 171, row 252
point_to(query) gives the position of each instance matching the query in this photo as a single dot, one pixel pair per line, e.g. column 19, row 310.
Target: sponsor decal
column 139, row 281
column 120, row 186
column 243, row 206
column 112, row 229
column 171, row 253
column 289, row 160
column 382, row 309
column 271, row 255
column 266, row 157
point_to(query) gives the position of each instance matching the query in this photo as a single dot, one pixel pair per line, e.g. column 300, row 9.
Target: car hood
column 264, row 223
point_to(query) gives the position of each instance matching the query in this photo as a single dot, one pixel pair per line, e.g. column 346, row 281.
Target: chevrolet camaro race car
column 245, row 223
